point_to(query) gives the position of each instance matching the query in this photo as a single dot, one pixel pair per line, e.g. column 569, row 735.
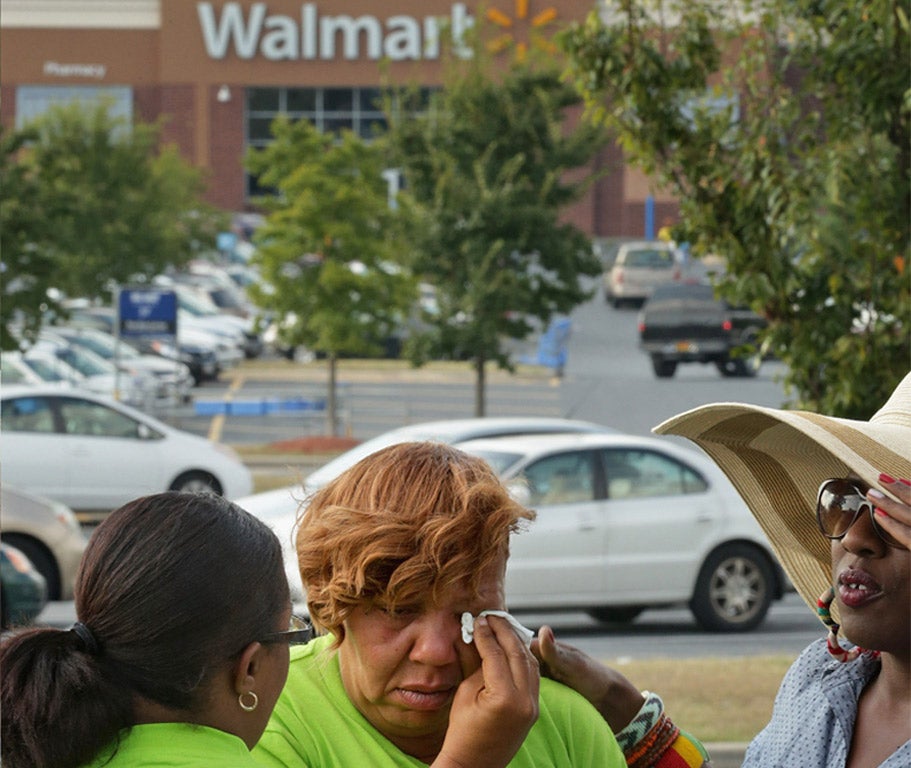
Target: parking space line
column 218, row 421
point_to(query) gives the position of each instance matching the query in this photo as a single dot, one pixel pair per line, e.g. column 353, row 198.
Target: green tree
column 331, row 247
column 90, row 202
column 784, row 130
column 26, row 267
column 489, row 168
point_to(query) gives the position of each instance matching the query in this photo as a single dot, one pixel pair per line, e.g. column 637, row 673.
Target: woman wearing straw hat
column 834, row 498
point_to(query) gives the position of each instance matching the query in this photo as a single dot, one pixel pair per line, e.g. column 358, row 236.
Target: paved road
column 607, row 380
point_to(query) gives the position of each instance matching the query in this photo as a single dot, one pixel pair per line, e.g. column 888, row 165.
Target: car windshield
column 104, row 345
column 85, row 361
column 196, row 304
column 45, row 369
column 651, row 258
column 9, row 374
column 499, row 461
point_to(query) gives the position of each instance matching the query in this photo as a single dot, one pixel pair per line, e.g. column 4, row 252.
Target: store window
column 332, row 110
column 32, row 101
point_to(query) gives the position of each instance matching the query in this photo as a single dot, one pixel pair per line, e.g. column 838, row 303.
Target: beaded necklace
column 835, row 648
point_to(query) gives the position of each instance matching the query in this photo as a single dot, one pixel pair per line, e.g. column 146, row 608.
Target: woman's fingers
column 497, row 704
column 894, row 516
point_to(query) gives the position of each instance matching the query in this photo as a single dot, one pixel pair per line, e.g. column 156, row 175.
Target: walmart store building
column 218, row 71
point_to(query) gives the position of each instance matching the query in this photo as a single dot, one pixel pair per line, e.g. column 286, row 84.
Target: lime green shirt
column 315, row 725
column 175, row 745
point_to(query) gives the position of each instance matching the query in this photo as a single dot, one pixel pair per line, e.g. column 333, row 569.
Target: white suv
column 638, row 268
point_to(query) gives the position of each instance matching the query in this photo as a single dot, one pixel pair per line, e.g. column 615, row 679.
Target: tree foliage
column 783, row 127
column 490, row 166
column 89, row 202
column 331, row 249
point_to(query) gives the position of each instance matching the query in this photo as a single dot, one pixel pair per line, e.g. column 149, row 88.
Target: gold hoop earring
column 248, row 707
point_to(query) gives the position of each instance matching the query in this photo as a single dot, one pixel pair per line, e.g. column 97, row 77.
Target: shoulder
column 168, row 745
column 571, row 730
column 815, row 668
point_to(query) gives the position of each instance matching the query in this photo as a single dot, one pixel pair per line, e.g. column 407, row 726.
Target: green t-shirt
column 315, row 725
column 175, row 745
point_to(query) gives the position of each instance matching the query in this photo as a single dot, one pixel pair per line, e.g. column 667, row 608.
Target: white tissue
column 468, row 626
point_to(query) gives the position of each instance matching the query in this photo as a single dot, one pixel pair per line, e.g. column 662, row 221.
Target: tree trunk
column 479, row 388
column 331, row 400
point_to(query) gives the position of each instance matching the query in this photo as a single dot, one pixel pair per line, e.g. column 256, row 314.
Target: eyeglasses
column 300, row 633
column 839, row 504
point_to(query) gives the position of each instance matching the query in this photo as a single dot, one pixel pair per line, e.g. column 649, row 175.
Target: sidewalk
column 726, row 754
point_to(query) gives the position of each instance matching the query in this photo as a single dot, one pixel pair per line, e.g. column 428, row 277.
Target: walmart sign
column 316, row 36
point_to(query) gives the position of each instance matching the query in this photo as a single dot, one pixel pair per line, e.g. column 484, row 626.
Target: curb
column 726, row 754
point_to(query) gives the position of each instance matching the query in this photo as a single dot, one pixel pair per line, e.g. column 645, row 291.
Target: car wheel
column 617, row 615
column 664, row 369
column 41, row 558
column 196, row 482
column 745, row 367
column 734, row 589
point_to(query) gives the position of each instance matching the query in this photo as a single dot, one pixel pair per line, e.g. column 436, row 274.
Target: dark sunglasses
column 300, row 633
column 838, row 505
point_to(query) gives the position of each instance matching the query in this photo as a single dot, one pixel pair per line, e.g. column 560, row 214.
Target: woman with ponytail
column 182, row 602
column 180, row 651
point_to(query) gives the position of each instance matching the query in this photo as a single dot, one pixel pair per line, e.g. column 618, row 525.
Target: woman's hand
column 496, row 705
column 615, row 697
column 894, row 516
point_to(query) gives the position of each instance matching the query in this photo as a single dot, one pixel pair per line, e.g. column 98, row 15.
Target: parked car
column 14, row 369
column 94, row 373
column 197, row 310
column 23, row 593
column 199, row 354
column 49, row 535
column 278, row 507
column 175, row 382
column 199, row 350
column 639, row 267
column 686, row 323
column 626, row 523
column 94, row 454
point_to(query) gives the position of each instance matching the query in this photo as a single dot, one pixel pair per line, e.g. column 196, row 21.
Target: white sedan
column 626, row 523
column 94, row 454
column 278, row 508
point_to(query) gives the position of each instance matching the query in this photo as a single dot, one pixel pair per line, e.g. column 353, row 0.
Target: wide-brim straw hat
column 777, row 459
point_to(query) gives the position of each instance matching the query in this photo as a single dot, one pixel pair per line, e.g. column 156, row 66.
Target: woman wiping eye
column 468, row 621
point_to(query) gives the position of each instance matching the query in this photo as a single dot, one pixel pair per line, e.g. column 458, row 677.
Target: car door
column 659, row 518
column 559, row 557
column 33, row 456
column 113, row 457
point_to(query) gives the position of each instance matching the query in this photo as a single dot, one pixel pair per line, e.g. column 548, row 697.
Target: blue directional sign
column 147, row 312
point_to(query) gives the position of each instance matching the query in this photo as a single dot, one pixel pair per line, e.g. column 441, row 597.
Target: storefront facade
column 218, row 71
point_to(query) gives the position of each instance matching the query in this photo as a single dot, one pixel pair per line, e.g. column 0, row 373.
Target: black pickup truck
column 685, row 323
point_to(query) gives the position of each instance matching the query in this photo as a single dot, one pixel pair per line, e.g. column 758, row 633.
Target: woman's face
column 401, row 670
column 873, row 589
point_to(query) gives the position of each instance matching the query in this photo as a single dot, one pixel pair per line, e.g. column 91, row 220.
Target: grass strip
column 715, row 699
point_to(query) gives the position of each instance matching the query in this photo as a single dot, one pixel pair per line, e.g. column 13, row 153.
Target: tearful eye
column 400, row 612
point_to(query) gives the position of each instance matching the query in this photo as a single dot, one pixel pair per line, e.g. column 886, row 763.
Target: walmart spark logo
column 536, row 26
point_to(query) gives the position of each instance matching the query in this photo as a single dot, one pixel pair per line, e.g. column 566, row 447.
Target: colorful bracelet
column 638, row 728
column 651, row 740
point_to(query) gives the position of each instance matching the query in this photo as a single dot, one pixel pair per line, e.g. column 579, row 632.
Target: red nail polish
column 880, row 512
column 884, row 478
column 903, row 481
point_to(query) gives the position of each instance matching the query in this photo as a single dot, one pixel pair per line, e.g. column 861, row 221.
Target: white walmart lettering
column 278, row 37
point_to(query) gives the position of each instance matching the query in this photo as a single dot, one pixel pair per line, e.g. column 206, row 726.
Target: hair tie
column 87, row 640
